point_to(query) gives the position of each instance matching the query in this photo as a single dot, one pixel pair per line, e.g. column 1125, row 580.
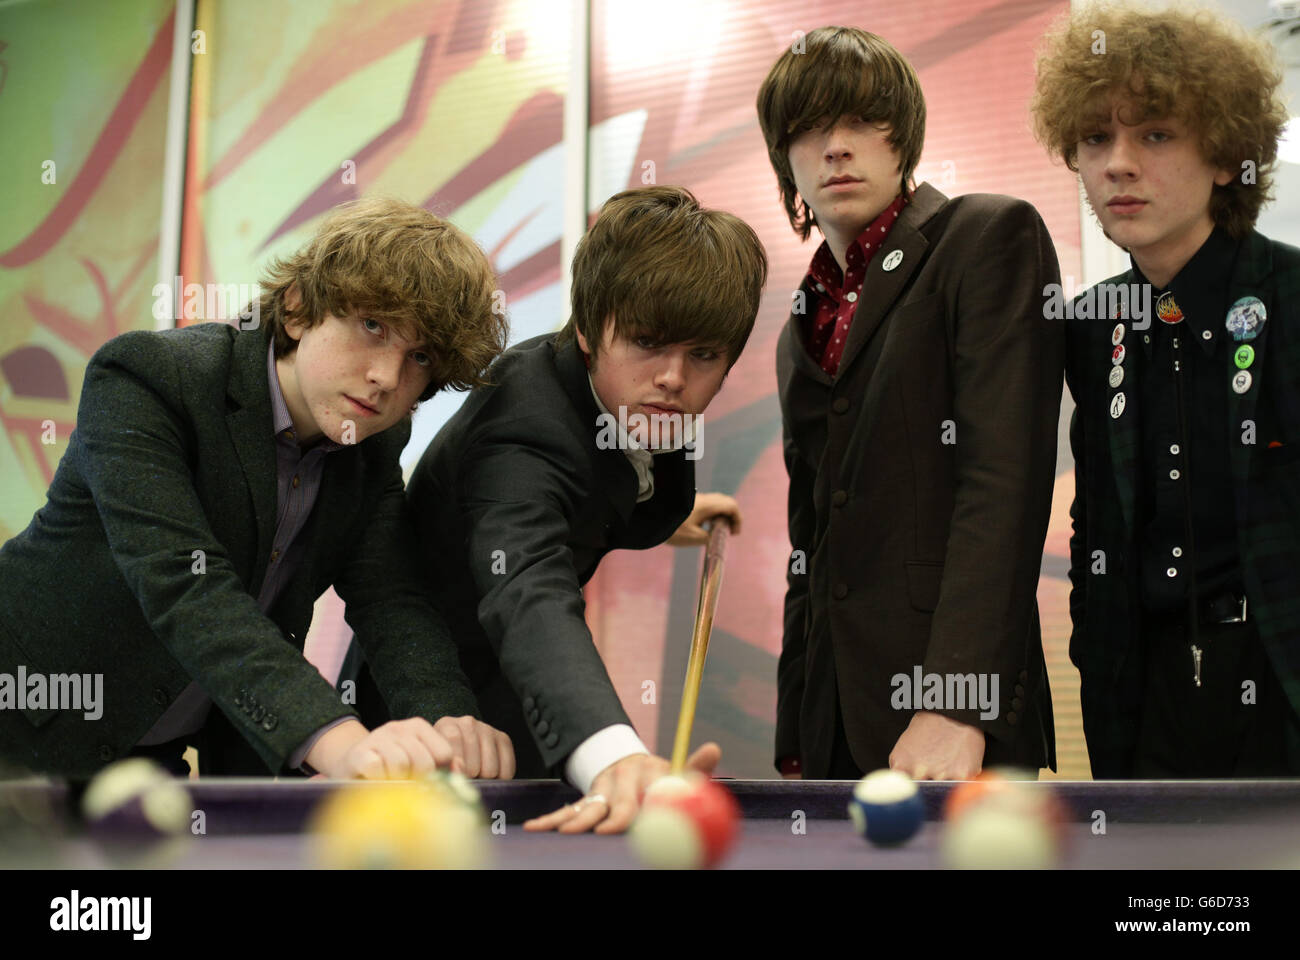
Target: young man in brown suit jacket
column 919, row 386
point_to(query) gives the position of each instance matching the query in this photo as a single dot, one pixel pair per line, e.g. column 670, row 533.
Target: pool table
column 254, row 823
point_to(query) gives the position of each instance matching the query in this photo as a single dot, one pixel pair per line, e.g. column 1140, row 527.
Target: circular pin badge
column 1117, row 405
column 1116, row 376
column 1241, row 381
column 1246, row 318
column 1117, row 355
column 1244, row 356
column 892, row 259
column 1117, row 335
column 1167, row 308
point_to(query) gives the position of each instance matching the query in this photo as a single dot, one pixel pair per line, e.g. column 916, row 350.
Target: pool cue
column 710, row 585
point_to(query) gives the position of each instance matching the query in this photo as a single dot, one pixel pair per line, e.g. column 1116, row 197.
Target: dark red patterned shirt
column 836, row 294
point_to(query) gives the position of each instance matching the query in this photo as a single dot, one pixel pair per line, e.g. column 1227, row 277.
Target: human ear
column 293, row 324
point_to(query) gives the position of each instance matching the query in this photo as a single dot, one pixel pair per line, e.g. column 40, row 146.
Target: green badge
column 1244, row 356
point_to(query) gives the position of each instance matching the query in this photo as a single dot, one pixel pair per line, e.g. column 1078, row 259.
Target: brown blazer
column 920, row 486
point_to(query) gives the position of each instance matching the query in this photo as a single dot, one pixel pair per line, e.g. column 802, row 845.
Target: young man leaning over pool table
column 528, row 486
column 218, row 481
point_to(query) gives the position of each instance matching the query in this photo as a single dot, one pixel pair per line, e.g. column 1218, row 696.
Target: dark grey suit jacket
column 174, row 453
column 922, row 552
column 515, row 506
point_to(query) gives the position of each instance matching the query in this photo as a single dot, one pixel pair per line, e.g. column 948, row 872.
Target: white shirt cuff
column 598, row 751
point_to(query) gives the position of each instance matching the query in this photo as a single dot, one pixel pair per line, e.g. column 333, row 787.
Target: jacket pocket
column 924, row 578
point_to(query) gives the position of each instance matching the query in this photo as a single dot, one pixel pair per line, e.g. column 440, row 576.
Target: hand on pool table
column 617, row 792
column 934, row 747
column 707, row 506
column 409, row 748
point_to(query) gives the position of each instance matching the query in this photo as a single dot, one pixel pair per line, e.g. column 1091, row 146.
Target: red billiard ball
column 972, row 792
column 685, row 823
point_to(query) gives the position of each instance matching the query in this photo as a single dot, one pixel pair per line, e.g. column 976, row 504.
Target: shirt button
column 840, row 405
column 839, row 498
column 820, row 288
column 1177, row 551
column 1146, row 338
column 1174, row 474
column 295, row 483
column 1174, row 448
column 1171, row 572
column 1206, row 335
column 851, row 297
column 275, row 555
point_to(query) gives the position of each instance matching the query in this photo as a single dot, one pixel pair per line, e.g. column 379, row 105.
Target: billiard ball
column 989, row 783
column 137, row 811
column 886, row 808
column 686, row 823
column 408, row 825
column 996, row 822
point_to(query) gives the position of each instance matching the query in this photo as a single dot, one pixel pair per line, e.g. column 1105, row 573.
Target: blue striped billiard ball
column 886, row 808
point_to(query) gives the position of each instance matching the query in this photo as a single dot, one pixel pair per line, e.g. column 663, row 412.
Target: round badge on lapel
column 1116, row 376
column 1117, row 405
column 1244, row 356
column 1246, row 318
column 1117, row 355
column 1117, row 335
column 892, row 260
column 1241, row 381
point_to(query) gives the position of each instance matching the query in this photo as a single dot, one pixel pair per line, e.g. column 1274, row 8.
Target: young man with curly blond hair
column 218, row 481
column 919, row 383
column 1185, row 554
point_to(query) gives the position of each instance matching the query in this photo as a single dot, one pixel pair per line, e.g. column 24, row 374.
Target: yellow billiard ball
column 397, row 825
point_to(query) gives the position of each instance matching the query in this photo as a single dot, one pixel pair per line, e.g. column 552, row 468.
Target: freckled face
column 351, row 378
column 650, row 378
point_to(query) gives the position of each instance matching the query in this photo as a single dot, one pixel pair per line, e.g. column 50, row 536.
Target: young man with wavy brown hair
column 218, row 481
column 919, row 382
column 1185, row 553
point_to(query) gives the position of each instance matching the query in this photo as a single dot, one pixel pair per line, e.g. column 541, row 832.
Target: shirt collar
column 825, row 274
column 1199, row 289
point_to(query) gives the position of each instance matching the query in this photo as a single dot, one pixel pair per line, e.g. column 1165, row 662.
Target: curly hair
column 1189, row 64
column 397, row 263
column 836, row 72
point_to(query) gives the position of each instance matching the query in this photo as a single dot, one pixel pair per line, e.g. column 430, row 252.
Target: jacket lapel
column 882, row 287
column 251, row 426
